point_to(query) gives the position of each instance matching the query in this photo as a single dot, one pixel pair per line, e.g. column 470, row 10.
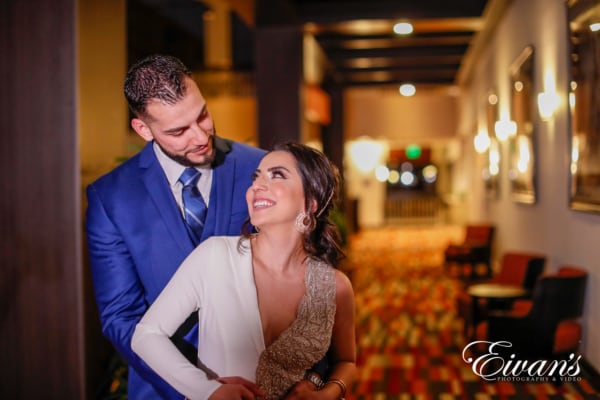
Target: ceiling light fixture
column 403, row 28
column 407, row 89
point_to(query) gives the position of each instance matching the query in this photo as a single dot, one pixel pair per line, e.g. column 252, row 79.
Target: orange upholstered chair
column 547, row 326
column 516, row 269
column 474, row 252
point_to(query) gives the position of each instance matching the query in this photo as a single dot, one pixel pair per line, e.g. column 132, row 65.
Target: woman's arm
column 187, row 292
column 343, row 342
column 151, row 340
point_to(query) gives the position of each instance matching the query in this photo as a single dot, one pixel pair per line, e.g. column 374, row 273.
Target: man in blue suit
column 137, row 234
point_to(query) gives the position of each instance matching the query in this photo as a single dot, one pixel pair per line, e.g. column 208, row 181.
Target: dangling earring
column 303, row 222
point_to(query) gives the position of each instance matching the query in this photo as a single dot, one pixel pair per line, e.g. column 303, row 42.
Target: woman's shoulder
column 221, row 240
column 343, row 284
column 216, row 255
column 216, row 246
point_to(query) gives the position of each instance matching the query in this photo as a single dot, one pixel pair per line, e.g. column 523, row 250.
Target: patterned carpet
column 409, row 336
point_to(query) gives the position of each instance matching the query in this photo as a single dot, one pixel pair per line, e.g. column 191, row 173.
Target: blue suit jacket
column 137, row 239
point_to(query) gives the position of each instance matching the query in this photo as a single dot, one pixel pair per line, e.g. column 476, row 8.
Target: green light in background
column 413, row 151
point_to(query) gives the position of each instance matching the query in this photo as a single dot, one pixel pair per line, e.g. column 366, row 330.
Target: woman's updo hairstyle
column 321, row 181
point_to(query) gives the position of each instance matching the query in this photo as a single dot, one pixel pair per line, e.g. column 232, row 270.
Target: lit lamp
column 572, row 96
column 547, row 103
column 407, row 89
column 366, row 154
column 505, row 128
column 481, row 141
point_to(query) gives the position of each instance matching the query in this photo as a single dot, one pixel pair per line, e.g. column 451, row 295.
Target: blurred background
column 439, row 114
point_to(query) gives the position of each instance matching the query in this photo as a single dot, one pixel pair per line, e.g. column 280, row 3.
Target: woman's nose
column 259, row 184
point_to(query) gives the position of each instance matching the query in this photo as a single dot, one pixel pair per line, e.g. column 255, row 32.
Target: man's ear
column 142, row 129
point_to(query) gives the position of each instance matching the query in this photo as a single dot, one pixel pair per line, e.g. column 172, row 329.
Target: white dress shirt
column 173, row 171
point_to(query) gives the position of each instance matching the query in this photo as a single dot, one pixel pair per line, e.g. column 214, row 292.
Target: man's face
column 184, row 131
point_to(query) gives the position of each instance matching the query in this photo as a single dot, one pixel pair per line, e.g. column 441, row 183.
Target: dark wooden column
column 332, row 135
column 278, row 83
column 41, row 324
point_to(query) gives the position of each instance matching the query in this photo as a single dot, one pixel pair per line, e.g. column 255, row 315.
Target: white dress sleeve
column 151, row 342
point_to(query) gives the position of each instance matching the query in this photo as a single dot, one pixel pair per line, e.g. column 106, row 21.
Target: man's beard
column 208, row 158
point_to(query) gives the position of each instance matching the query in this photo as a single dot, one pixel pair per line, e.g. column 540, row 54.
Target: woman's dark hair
column 321, row 181
column 158, row 76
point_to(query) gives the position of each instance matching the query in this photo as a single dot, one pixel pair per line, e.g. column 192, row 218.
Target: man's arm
column 119, row 293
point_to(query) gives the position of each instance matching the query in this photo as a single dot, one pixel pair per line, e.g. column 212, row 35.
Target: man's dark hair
column 159, row 77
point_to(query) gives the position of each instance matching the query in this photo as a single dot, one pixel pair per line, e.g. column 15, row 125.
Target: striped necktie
column 194, row 207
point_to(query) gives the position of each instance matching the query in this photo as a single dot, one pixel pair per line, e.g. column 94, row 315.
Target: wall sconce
column 481, row 141
column 505, row 128
column 573, row 96
column 548, row 102
column 366, row 153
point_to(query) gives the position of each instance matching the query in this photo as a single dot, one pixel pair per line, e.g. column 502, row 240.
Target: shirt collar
column 172, row 168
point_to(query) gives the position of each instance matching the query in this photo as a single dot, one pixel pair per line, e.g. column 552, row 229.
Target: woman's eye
column 277, row 174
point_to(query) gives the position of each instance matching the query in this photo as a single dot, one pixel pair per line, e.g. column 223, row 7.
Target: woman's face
column 276, row 195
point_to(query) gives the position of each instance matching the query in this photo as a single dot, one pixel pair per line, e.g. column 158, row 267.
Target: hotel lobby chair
column 471, row 258
column 547, row 326
column 516, row 269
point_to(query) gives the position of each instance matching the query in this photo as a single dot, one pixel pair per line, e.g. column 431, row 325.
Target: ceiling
column 356, row 35
column 359, row 42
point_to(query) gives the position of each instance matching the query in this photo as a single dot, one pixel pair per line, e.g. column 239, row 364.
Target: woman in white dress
column 270, row 304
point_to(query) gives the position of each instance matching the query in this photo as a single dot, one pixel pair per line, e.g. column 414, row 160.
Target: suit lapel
column 221, row 196
column 221, row 193
column 159, row 191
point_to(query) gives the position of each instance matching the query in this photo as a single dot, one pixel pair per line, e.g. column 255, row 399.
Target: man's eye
column 202, row 116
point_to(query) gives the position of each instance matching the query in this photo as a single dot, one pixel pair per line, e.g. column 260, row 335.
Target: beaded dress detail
column 306, row 340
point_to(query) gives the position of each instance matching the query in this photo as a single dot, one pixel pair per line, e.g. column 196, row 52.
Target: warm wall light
column 382, row 173
column 548, row 102
column 366, row 153
column 494, row 159
column 481, row 141
column 573, row 96
column 505, row 128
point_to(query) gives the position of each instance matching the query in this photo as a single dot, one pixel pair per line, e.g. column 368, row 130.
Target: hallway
column 409, row 337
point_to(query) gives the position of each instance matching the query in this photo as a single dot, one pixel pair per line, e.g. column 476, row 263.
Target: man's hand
column 236, row 388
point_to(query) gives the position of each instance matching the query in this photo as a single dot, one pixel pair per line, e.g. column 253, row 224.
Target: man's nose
column 200, row 134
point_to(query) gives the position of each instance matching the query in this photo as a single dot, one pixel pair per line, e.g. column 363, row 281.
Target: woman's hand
column 236, row 388
column 303, row 390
